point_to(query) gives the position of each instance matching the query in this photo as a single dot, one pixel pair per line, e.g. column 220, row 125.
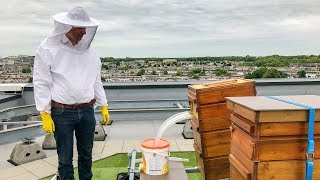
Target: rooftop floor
column 123, row 137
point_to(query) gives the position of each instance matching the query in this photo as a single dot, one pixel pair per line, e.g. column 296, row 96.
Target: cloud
column 173, row 27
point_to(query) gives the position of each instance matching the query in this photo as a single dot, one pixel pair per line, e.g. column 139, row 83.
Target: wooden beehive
column 269, row 137
column 211, row 123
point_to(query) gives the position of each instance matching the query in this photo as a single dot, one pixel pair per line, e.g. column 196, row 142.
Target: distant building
column 169, row 60
column 311, row 75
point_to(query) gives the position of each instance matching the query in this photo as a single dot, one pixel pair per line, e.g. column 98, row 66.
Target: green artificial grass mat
column 113, row 165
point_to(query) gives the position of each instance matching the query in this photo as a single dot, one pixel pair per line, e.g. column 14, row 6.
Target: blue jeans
column 82, row 122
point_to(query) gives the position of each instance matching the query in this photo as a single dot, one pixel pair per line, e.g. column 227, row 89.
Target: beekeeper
column 67, row 84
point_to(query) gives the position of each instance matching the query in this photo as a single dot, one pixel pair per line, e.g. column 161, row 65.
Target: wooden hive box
column 273, row 148
column 212, row 117
column 269, row 137
column 202, row 94
column 212, row 168
column 208, row 103
column 261, row 109
column 243, row 168
column 211, row 144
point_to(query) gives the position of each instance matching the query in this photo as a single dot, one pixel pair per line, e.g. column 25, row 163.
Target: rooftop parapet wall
column 178, row 90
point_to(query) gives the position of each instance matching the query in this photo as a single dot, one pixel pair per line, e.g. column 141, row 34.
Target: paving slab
column 53, row 160
column 35, row 165
column 99, row 143
column 25, row 176
column 97, row 149
column 44, row 171
column 186, row 147
column 12, row 172
column 114, row 143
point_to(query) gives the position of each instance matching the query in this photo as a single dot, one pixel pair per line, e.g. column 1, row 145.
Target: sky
column 172, row 28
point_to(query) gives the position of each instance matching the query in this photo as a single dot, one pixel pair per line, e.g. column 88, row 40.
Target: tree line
column 259, row 61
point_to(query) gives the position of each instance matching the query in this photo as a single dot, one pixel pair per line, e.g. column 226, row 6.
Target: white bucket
column 155, row 158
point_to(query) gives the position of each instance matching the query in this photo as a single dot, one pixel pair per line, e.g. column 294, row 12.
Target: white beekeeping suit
column 64, row 73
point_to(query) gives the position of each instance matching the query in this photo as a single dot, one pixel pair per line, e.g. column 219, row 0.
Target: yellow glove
column 192, row 114
column 105, row 115
column 47, row 122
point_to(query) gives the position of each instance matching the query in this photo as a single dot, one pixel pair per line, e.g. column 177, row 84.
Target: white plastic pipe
column 169, row 122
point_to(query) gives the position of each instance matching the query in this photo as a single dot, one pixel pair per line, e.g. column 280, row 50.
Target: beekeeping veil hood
column 75, row 17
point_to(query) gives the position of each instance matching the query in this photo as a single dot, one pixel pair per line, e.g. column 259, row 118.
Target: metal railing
column 119, row 110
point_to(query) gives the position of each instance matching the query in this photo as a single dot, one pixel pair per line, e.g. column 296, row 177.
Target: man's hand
column 47, row 122
column 105, row 115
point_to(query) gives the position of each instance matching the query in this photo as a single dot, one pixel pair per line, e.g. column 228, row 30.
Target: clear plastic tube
column 169, row 119
column 169, row 122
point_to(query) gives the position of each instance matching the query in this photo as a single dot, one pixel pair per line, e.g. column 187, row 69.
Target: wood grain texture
column 212, row 124
column 213, row 168
column 212, row 111
column 287, row 170
column 238, row 171
column 287, row 148
column 244, row 123
column 213, row 143
column 277, row 170
column 286, row 129
column 242, row 140
column 203, row 94
column 243, row 159
column 272, row 147
column 263, row 129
